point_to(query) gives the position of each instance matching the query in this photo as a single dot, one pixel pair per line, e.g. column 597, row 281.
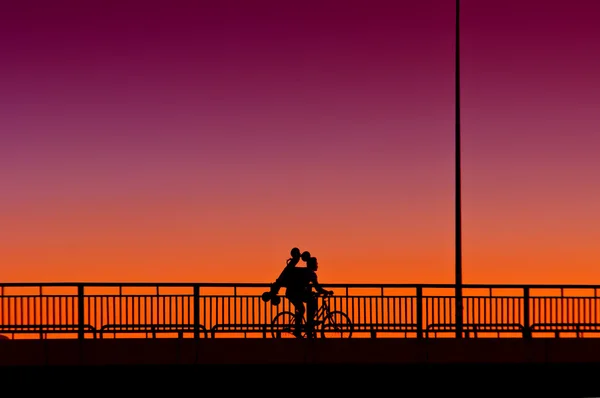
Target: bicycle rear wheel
column 283, row 325
column 337, row 325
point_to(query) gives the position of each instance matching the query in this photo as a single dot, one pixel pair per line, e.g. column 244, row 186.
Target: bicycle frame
column 323, row 311
column 323, row 319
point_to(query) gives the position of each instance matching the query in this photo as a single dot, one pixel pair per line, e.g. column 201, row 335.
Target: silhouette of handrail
column 559, row 328
column 374, row 328
column 151, row 329
column 413, row 310
column 336, row 285
column 475, row 328
column 44, row 329
column 245, row 328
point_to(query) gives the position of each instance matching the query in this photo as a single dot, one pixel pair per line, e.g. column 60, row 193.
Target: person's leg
column 311, row 310
column 298, row 316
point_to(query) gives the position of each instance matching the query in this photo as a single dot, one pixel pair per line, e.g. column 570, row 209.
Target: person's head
column 312, row 264
column 305, row 256
column 295, row 252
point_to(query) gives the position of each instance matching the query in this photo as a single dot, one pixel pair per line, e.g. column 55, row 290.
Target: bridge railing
column 87, row 310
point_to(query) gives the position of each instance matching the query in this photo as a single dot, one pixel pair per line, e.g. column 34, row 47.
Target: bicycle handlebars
column 330, row 293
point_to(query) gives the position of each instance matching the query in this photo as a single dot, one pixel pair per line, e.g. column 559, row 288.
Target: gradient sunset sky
column 202, row 140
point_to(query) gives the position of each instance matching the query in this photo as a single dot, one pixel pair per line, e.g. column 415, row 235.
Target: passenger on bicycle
column 290, row 263
column 300, row 282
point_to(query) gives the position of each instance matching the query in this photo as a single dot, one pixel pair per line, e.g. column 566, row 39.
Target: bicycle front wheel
column 337, row 325
column 282, row 325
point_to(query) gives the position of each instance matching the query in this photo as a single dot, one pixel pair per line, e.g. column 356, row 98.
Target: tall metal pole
column 458, row 215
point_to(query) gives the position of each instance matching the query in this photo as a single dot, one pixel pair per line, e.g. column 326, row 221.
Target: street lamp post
column 458, row 227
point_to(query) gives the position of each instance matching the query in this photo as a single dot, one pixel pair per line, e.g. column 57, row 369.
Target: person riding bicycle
column 300, row 281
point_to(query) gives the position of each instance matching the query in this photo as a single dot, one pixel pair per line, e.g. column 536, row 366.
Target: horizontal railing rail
column 197, row 310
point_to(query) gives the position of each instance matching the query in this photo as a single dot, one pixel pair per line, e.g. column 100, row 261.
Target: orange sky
column 134, row 241
column 200, row 145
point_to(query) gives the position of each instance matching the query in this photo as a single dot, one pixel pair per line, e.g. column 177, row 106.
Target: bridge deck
column 348, row 367
column 166, row 351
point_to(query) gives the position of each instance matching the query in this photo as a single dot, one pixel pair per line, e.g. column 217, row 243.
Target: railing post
column 196, row 300
column 81, row 311
column 526, row 314
column 419, row 312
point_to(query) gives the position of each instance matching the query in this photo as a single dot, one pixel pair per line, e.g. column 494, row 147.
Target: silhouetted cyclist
column 299, row 284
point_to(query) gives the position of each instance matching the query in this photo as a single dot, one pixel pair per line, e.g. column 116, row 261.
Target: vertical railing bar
column 196, row 304
column 526, row 314
column 419, row 319
column 81, row 310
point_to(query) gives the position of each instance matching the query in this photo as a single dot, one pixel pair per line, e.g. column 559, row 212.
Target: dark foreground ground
column 272, row 367
column 355, row 380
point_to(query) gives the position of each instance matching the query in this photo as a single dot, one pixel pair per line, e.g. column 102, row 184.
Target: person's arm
column 317, row 285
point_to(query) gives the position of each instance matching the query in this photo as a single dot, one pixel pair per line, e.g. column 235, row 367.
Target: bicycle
column 328, row 323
